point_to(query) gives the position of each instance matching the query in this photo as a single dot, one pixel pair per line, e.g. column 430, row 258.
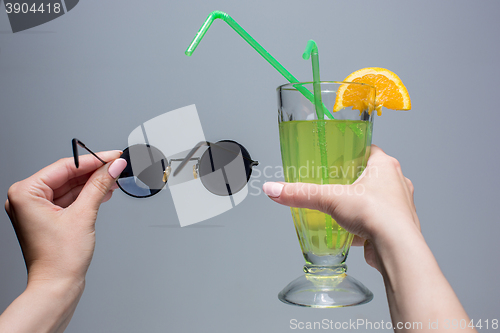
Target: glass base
column 325, row 291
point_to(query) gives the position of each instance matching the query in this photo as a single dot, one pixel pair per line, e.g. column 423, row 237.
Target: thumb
column 324, row 198
column 98, row 185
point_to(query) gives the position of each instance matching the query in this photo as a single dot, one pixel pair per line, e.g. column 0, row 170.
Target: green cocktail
column 347, row 150
column 323, row 151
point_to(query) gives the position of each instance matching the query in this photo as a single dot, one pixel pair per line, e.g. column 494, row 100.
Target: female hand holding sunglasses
column 53, row 214
column 54, row 211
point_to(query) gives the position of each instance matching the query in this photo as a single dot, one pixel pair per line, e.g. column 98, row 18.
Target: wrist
column 402, row 255
column 63, row 288
column 396, row 236
column 46, row 305
column 49, row 274
column 416, row 288
column 400, row 246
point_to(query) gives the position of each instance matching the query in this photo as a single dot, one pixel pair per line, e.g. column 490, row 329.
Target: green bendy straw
column 256, row 46
column 311, row 51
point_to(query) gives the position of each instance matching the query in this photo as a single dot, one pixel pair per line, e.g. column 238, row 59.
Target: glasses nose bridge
column 168, row 170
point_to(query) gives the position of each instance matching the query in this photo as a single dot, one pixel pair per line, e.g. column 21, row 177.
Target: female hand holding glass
column 378, row 208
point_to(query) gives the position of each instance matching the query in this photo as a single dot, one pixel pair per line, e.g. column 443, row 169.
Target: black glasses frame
column 166, row 170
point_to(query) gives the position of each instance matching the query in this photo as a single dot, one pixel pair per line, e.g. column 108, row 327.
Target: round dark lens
column 143, row 176
column 225, row 168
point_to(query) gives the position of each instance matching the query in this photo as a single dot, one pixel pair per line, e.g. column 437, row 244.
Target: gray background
column 107, row 66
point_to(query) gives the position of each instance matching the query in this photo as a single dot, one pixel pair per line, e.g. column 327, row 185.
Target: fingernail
column 116, row 168
column 273, row 189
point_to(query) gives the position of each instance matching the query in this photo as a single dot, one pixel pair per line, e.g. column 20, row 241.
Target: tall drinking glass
column 324, row 151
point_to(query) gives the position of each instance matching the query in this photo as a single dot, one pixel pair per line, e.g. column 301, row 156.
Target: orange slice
column 390, row 91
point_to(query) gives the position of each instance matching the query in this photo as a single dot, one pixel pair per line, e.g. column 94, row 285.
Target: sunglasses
column 224, row 168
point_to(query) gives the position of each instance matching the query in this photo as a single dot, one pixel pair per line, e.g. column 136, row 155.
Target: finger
column 97, row 187
column 411, row 198
column 69, row 197
column 107, row 196
column 376, row 151
column 58, row 173
column 302, row 195
column 7, row 207
column 410, row 185
column 379, row 157
column 411, row 188
column 71, row 184
column 358, row 241
column 370, row 256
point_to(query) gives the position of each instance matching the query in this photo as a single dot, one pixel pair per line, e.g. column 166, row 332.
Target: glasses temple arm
column 75, row 143
column 188, row 157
